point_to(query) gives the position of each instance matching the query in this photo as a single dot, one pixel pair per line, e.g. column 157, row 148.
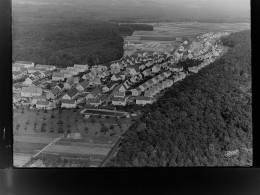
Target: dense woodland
column 70, row 42
column 198, row 119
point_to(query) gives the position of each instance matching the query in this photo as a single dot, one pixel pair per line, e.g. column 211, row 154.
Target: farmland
column 33, row 130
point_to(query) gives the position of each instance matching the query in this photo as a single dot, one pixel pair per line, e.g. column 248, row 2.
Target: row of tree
column 199, row 119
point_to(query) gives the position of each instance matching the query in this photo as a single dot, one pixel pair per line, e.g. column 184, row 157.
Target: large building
column 31, row 91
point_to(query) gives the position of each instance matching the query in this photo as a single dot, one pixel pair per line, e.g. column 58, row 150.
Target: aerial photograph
column 131, row 83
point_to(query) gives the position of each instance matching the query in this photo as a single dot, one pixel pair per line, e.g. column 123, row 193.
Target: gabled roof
column 36, row 73
column 109, row 85
column 70, row 82
column 72, row 92
column 84, row 84
column 36, row 83
column 95, row 91
column 55, row 91
column 42, row 97
column 57, row 74
column 17, row 72
column 47, row 72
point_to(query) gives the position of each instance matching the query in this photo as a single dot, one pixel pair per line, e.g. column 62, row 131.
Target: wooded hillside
column 199, row 119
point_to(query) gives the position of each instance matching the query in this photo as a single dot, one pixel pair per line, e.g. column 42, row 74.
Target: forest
column 199, row 119
column 67, row 43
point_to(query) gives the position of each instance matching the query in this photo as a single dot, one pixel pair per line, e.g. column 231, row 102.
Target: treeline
column 199, row 119
column 67, row 43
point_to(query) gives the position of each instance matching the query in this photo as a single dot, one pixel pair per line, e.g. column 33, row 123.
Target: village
column 135, row 79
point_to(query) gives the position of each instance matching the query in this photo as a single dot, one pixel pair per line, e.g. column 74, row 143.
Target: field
column 31, row 135
column 103, row 112
column 169, row 31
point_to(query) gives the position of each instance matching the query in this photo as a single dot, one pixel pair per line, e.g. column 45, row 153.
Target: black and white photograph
column 131, row 83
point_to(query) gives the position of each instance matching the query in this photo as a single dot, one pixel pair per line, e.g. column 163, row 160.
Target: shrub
column 112, row 127
column 17, row 126
column 60, row 130
column 104, row 129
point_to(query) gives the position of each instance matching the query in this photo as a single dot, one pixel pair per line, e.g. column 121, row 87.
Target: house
column 17, row 75
column 35, row 99
column 167, row 83
column 29, row 81
column 175, row 68
column 133, row 70
column 76, row 79
column 68, row 103
column 24, row 70
column 119, row 94
column 70, row 94
column 156, row 68
column 36, row 75
column 58, row 76
column 47, row 74
column 47, row 67
column 142, row 100
column 94, row 101
column 167, row 74
column 31, row 91
column 97, row 81
column 26, row 64
column 53, row 93
column 119, row 101
column 161, row 76
column 143, row 87
column 42, row 104
column 94, row 93
column 147, row 72
column 17, row 88
column 109, row 87
column 81, row 67
column 88, row 75
column 36, row 83
column 37, row 163
column 136, row 91
column 83, row 85
column 60, row 86
column 118, row 76
column 69, row 84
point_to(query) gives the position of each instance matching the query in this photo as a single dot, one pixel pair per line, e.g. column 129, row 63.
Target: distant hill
column 199, row 119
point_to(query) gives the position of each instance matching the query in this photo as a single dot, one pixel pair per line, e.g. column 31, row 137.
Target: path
column 47, row 146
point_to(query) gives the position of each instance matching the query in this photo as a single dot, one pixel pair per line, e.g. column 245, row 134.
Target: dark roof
column 36, row 83
column 118, row 99
column 109, row 85
column 72, row 92
column 55, row 91
column 94, row 100
column 95, row 91
column 47, row 72
column 143, row 98
column 84, row 84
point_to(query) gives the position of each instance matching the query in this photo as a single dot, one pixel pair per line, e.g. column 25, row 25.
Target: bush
column 103, row 129
column 111, row 127
column 60, row 130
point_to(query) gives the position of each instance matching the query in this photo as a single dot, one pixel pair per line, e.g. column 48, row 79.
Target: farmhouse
column 71, row 94
column 119, row 101
column 53, row 93
column 68, row 103
column 141, row 100
column 31, row 91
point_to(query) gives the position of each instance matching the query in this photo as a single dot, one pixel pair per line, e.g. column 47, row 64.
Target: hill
column 199, row 119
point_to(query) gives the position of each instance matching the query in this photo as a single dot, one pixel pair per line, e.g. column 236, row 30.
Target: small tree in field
column 17, row 126
column 111, row 127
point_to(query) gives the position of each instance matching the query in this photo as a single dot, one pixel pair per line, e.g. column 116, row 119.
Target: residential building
column 81, row 67
column 53, row 93
column 119, row 101
column 142, row 100
column 29, row 81
column 119, row 94
column 94, row 93
column 31, row 91
column 94, row 101
column 58, row 76
column 69, row 84
column 136, row 91
column 17, row 75
column 83, row 85
column 109, row 87
column 26, row 64
column 68, row 103
column 35, row 99
column 156, row 68
column 71, row 94
column 42, row 104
